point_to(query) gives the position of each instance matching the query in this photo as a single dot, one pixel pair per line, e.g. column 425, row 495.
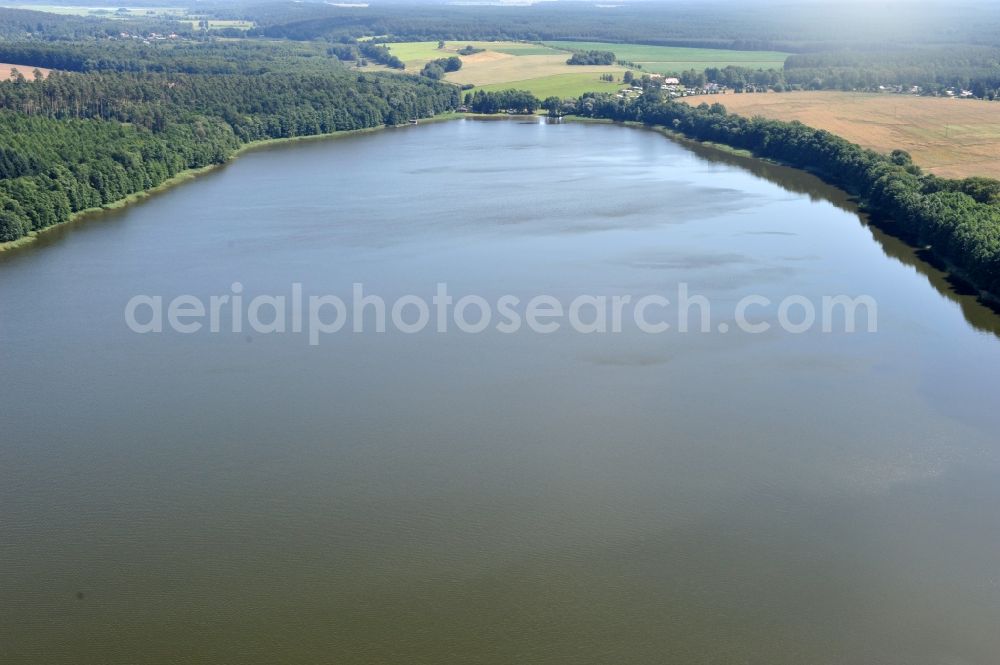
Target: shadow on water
column 54, row 235
column 980, row 314
column 88, row 221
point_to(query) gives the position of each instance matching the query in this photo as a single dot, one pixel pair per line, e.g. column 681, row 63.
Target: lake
column 700, row 497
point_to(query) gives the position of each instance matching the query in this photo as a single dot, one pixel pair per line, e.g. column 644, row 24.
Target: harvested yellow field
column 26, row 70
column 477, row 59
column 953, row 138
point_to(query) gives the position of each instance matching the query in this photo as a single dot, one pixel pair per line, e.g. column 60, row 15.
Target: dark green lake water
column 526, row 498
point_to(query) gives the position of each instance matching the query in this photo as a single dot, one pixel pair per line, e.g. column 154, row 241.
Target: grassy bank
column 564, row 86
column 189, row 174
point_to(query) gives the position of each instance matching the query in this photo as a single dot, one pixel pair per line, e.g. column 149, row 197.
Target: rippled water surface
column 491, row 498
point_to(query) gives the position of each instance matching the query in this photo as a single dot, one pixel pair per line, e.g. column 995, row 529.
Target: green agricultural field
column 559, row 85
column 509, row 48
column 672, row 59
column 417, row 52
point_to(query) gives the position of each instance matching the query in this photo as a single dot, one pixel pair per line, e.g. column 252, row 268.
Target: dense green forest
column 121, row 115
column 52, row 168
column 254, row 107
column 591, row 58
column 515, row 101
column 436, row 69
column 802, row 27
column 75, row 141
column 934, row 70
column 380, row 54
column 191, row 57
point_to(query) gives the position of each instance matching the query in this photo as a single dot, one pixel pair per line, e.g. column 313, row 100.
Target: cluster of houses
column 901, row 89
column 146, row 39
column 917, row 90
column 673, row 87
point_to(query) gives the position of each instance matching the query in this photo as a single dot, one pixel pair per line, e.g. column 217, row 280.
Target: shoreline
column 190, row 174
column 986, row 298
